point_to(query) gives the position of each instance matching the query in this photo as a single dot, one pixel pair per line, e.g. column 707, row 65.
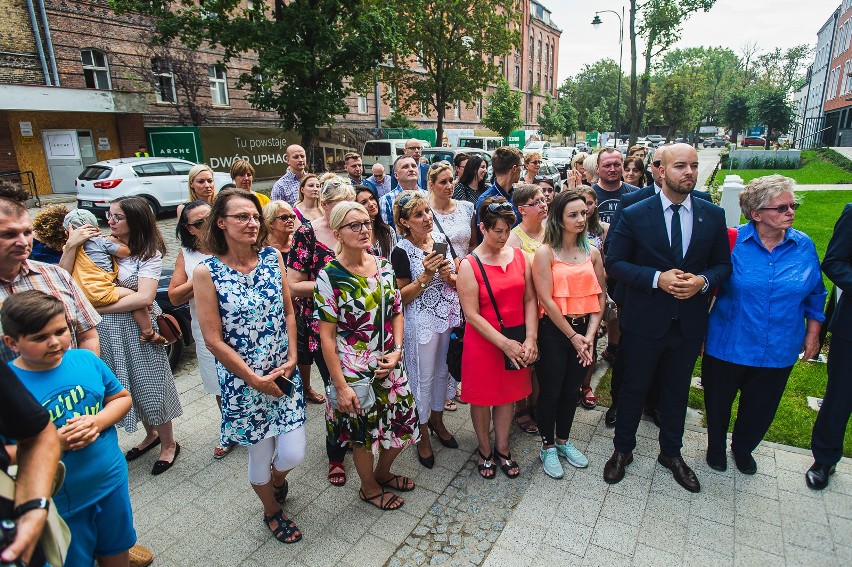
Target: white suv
column 163, row 182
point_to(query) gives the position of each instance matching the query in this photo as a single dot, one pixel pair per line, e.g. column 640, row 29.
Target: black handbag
column 516, row 333
column 454, row 352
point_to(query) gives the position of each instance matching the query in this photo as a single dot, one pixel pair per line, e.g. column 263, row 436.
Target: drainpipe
column 48, row 41
column 39, row 48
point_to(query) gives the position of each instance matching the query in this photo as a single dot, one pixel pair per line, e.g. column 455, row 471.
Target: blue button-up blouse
column 759, row 315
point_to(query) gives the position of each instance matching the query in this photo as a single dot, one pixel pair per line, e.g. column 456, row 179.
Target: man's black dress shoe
column 683, row 475
column 611, row 414
column 614, row 469
column 745, row 463
column 817, row 475
column 717, row 460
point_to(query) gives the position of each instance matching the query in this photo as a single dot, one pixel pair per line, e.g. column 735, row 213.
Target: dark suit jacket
column 837, row 265
column 641, row 248
column 649, row 191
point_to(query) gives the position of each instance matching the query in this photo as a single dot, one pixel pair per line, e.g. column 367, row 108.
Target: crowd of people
column 371, row 283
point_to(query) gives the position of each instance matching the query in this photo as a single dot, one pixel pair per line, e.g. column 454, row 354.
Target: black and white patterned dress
column 142, row 368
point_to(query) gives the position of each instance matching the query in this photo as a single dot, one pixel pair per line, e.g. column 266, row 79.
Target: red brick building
column 78, row 85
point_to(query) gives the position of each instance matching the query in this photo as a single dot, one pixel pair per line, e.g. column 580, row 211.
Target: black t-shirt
column 608, row 201
column 401, row 263
column 21, row 416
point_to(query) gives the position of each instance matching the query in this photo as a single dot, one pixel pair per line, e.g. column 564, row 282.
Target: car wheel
column 154, row 206
column 174, row 351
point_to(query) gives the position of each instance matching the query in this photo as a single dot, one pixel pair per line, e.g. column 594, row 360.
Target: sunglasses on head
column 497, row 207
column 438, row 164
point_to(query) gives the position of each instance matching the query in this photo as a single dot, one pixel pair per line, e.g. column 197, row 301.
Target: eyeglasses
column 781, row 209
column 538, row 203
column 535, row 162
column 414, row 147
column 115, row 217
column 438, row 164
column 197, row 224
column 497, row 207
column 245, row 218
column 359, row 226
column 286, row 218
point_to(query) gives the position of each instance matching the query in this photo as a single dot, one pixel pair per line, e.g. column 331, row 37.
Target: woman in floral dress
column 359, row 310
column 248, row 324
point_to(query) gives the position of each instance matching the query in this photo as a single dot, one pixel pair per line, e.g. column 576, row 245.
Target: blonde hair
column 193, row 173
column 580, row 157
column 336, row 189
column 270, row 211
column 531, row 156
column 590, row 164
column 401, row 210
column 761, row 190
column 436, row 170
column 338, row 215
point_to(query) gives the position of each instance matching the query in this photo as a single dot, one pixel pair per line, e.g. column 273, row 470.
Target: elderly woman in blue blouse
column 765, row 315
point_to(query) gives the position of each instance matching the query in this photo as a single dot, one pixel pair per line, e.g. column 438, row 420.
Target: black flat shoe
column 818, row 475
column 162, row 466
column 136, row 452
column 427, row 462
column 451, row 442
column 745, row 463
column 610, row 416
column 717, row 460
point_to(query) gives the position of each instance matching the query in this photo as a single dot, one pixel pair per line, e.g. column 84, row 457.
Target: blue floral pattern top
column 254, row 325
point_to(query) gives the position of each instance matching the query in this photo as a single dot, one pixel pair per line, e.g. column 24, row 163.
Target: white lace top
column 456, row 225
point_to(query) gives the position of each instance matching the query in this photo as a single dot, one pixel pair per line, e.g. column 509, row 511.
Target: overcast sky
column 730, row 23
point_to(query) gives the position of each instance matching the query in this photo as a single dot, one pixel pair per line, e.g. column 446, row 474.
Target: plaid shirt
column 57, row 282
column 286, row 188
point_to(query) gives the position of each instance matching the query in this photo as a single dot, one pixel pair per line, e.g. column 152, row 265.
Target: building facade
column 80, row 84
column 810, row 117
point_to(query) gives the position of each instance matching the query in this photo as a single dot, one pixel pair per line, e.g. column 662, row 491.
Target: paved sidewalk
column 203, row 512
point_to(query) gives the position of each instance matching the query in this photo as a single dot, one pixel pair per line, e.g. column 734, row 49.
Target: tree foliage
column 503, row 114
column 454, row 47
column 735, row 112
column 769, row 106
column 596, row 85
column 673, row 103
column 399, row 120
column 551, row 121
column 309, row 53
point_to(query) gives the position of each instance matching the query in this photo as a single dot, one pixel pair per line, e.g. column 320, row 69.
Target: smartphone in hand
column 286, row 386
column 440, row 248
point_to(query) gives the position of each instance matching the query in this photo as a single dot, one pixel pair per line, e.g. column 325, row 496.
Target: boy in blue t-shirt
column 85, row 401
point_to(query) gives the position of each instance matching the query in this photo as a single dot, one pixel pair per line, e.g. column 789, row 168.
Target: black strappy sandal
column 507, row 464
column 285, row 530
column 487, row 465
column 381, row 504
column 280, row 492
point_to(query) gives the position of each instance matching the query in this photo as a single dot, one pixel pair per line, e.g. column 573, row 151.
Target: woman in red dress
column 488, row 386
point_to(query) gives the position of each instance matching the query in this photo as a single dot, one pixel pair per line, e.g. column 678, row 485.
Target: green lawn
column 794, row 421
column 813, row 171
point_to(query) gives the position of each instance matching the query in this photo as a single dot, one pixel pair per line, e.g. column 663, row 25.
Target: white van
column 384, row 152
column 487, row 143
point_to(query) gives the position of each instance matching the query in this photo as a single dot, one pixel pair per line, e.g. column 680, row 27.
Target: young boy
column 85, row 401
column 95, row 270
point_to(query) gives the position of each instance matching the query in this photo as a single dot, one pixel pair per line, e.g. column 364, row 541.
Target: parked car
column 655, row 139
column 549, row 171
column 385, row 152
column 757, row 141
column 561, row 157
column 162, row 181
column 488, row 143
column 715, row 143
column 539, row 146
column 583, row 147
column 179, row 312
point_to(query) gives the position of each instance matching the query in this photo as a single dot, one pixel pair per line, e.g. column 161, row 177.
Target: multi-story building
column 838, row 94
column 80, row 84
column 810, row 119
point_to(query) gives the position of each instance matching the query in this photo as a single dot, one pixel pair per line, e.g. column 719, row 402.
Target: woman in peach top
column 569, row 280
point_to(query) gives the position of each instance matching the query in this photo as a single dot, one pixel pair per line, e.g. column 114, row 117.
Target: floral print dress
column 354, row 302
column 254, row 325
column 308, row 255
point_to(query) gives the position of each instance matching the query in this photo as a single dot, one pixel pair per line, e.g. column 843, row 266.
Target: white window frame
column 163, row 73
column 362, row 104
column 218, row 85
column 95, row 69
column 457, row 109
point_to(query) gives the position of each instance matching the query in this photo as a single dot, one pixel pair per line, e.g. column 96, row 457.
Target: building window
column 95, row 69
column 517, row 76
column 164, row 81
column 457, row 109
column 532, row 47
column 392, row 102
column 479, row 109
column 218, row 85
column 362, row 104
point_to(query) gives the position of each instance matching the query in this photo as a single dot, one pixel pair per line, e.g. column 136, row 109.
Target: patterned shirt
column 57, row 282
column 286, row 188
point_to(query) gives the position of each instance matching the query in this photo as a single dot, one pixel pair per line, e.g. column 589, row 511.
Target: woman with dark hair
column 382, row 237
column 141, row 367
column 489, row 387
column 247, row 320
column 569, row 279
column 634, row 171
column 472, row 182
column 242, row 172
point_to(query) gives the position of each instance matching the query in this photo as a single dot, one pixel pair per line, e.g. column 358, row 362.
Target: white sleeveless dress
column 206, row 361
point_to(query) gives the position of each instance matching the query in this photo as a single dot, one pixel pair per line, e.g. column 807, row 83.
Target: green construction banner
column 175, row 141
column 517, row 139
column 592, row 139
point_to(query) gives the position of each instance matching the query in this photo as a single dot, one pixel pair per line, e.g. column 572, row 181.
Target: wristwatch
column 397, row 348
column 422, row 285
column 35, row 504
column 706, row 285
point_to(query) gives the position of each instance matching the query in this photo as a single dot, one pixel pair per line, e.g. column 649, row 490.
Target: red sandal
column 336, row 473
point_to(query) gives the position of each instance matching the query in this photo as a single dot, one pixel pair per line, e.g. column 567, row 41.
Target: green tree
column 735, row 112
column 454, row 49
column 569, row 117
column 595, row 85
column 503, row 114
column 769, row 106
column 551, row 121
column 399, row 120
column 782, row 69
column 310, row 54
column 674, row 104
column 599, row 119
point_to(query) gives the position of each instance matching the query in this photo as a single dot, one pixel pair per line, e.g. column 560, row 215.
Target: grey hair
column 761, row 190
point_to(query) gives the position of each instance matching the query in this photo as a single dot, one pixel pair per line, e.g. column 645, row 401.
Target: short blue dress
column 253, row 324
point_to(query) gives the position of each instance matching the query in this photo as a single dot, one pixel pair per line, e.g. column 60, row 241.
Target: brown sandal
column 153, row 338
column 381, row 504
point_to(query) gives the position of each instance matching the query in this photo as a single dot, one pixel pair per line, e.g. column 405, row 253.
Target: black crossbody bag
column 456, row 347
column 516, row 333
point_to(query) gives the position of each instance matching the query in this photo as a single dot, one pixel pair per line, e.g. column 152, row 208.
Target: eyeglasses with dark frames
column 286, row 217
column 359, row 226
column 781, row 209
column 115, row 217
column 538, row 203
column 197, row 224
column 245, row 218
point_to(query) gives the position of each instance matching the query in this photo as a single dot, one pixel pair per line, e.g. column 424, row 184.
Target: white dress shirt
column 685, row 213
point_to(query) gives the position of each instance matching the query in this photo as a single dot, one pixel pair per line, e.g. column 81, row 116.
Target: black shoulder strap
column 490, row 293
column 440, row 228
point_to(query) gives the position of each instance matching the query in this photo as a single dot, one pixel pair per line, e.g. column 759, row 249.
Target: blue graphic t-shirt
column 79, row 386
column 608, row 201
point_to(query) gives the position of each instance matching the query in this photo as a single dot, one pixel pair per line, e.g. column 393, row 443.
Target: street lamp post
column 596, row 22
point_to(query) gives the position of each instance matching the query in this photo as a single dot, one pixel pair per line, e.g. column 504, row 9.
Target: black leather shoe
column 427, row 462
column 162, row 466
column 609, row 418
column 817, row 475
column 614, row 468
column 717, row 460
column 745, row 463
column 451, row 442
column 683, row 475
